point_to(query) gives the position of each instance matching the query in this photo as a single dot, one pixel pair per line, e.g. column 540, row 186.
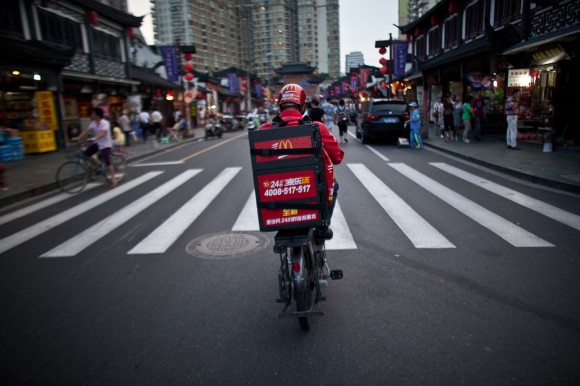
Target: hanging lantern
column 200, row 95
column 408, row 37
column 382, row 50
column 434, row 20
column 130, row 33
column 93, row 18
column 375, row 89
column 452, row 7
column 354, row 90
column 189, row 77
column 243, row 82
column 383, row 61
column 188, row 67
column 383, row 70
column 187, row 56
column 418, row 32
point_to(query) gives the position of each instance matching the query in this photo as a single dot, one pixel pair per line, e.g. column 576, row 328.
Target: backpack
column 341, row 113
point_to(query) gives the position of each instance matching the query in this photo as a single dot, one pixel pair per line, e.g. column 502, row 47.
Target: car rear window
column 388, row 106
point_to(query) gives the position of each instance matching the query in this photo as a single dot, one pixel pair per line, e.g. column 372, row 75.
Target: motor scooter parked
column 213, row 128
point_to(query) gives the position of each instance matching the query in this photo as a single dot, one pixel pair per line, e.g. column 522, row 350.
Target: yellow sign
column 45, row 106
column 286, row 144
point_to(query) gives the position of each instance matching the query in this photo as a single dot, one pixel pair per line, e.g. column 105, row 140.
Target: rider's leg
column 106, row 154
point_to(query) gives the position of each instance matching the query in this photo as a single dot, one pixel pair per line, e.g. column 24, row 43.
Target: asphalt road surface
column 454, row 274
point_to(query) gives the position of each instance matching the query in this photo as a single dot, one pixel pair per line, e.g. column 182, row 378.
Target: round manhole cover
column 227, row 245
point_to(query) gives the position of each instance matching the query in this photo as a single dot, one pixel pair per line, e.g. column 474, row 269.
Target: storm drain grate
column 227, row 245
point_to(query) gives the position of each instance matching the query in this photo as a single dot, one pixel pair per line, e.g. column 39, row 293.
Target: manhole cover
column 227, row 245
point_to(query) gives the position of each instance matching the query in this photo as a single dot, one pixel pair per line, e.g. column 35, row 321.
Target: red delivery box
column 289, row 177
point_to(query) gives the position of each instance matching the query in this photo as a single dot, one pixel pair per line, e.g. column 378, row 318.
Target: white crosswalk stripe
column 165, row 235
column 420, row 232
column 52, row 222
column 248, row 218
column 83, row 240
column 547, row 210
column 508, row 231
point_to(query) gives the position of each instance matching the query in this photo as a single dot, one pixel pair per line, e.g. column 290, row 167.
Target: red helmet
column 292, row 93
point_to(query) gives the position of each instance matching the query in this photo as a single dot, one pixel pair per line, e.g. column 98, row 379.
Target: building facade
column 354, row 60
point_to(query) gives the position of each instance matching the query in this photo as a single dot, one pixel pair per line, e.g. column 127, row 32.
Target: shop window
column 10, row 18
column 506, row 11
column 434, row 37
column 106, row 46
column 59, row 30
column 474, row 20
column 450, row 30
column 420, row 48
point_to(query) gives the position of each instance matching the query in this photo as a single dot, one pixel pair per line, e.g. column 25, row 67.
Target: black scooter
column 213, row 129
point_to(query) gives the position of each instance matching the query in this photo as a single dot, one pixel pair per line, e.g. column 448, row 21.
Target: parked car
column 382, row 119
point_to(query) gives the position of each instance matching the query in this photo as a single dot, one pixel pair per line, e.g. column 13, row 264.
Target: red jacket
column 333, row 154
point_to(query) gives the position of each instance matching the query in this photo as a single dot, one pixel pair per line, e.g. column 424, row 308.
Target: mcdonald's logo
column 286, row 144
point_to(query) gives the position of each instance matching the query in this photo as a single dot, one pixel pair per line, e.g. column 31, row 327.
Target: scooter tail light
column 296, row 266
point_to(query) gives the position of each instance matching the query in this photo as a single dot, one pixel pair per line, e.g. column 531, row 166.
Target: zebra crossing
column 415, row 227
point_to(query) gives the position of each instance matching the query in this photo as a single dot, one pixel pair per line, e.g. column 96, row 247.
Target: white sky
column 362, row 22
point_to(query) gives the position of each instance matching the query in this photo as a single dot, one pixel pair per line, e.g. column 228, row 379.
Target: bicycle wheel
column 71, row 177
column 119, row 163
column 304, row 286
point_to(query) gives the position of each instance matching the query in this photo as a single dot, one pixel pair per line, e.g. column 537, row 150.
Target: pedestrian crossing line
column 508, row 231
column 420, row 232
column 248, row 218
column 148, row 164
column 248, row 221
column 165, row 235
column 54, row 221
column 381, row 156
column 538, row 206
column 85, row 239
column 342, row 238
column 41, row 205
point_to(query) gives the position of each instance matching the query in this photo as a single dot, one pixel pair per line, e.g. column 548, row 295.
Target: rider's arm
column 329, row 144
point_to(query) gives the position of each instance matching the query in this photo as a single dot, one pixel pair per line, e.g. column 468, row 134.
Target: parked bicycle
column 72, row 176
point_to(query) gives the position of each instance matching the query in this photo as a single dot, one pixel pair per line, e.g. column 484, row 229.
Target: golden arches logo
column 287, row 144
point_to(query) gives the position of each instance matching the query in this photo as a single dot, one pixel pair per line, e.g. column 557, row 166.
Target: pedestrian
column 448, row 126
column 438, row 116
column 457, row 121
column 466, row 116
column 125, row 125
column 415, row 126
column 511, row 111
column 156, row 119
column 478, row 114
column 316, row 113
column 343, row 116
column 330, row 111
column 119, row 138
column 144, row 118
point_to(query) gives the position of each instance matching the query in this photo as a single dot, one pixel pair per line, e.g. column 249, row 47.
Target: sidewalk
column 35, row 174
column 559, row 169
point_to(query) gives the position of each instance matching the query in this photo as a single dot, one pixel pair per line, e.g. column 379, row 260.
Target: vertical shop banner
column 169, row 55
column 400, row 58
column 233, row 82
column 354, row 82
column 46, row 112
column 336, row 90
column 258, row 87
column 364, row 77
column 519, row 77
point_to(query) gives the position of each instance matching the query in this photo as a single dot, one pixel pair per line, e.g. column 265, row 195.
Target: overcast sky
column 362, row 22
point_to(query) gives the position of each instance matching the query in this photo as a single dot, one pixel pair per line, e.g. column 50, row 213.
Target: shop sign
column 519, row 78
column 46, row 113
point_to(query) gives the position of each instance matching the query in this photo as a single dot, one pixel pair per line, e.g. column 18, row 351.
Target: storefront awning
column 413, row 76
column 91, row 77
column 33, row 55
column 532, row 44
column 151, row 78
column 479, row 46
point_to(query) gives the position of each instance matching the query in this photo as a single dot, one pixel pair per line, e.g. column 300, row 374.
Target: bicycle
column 72, row 176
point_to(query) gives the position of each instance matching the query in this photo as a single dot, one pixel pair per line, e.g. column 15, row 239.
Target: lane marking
column 248, row 218
column 213, row 147
column 42, row 204
column 91, row 235
column 54, row 221
column 157, row 164
column 508, row 231
column 342, row 236
column 381, row 156
column 541, row 207
column 165, row 235
column 420, row 232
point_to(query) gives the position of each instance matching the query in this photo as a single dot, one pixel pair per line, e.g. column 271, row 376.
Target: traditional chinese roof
column 151, row 78
column 111, row 13
column 295, row 68
column 34, row 54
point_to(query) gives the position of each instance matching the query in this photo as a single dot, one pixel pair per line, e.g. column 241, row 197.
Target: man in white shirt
column 144, row 122
column 156, row 117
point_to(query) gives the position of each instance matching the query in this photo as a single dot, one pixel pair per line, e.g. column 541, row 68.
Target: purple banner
column 353, row 82
column 258, row 87
column 400, row 58
column 233, row 81
column 169, row 55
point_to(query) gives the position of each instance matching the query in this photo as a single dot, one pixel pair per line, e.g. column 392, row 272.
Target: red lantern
column 382, row 50
column 243, row 90
column 434, row 20
column 187, row 56
column 93, row 18
column 354, row 90
column 383, row 70
column 452, row 7
column 200, row 95
column 418, row 32
column 243, row 82
column 189, row 77
column 408, row 37
column 188, row 67
column 130, row 33
column 383, row 61
column 375, row 89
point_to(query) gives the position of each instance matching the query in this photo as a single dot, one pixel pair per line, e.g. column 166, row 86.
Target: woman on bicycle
column 292, row 102
column 101, row 141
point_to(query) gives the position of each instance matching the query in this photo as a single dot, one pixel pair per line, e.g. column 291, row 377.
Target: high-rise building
column 260, row 35
column 354, row 60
